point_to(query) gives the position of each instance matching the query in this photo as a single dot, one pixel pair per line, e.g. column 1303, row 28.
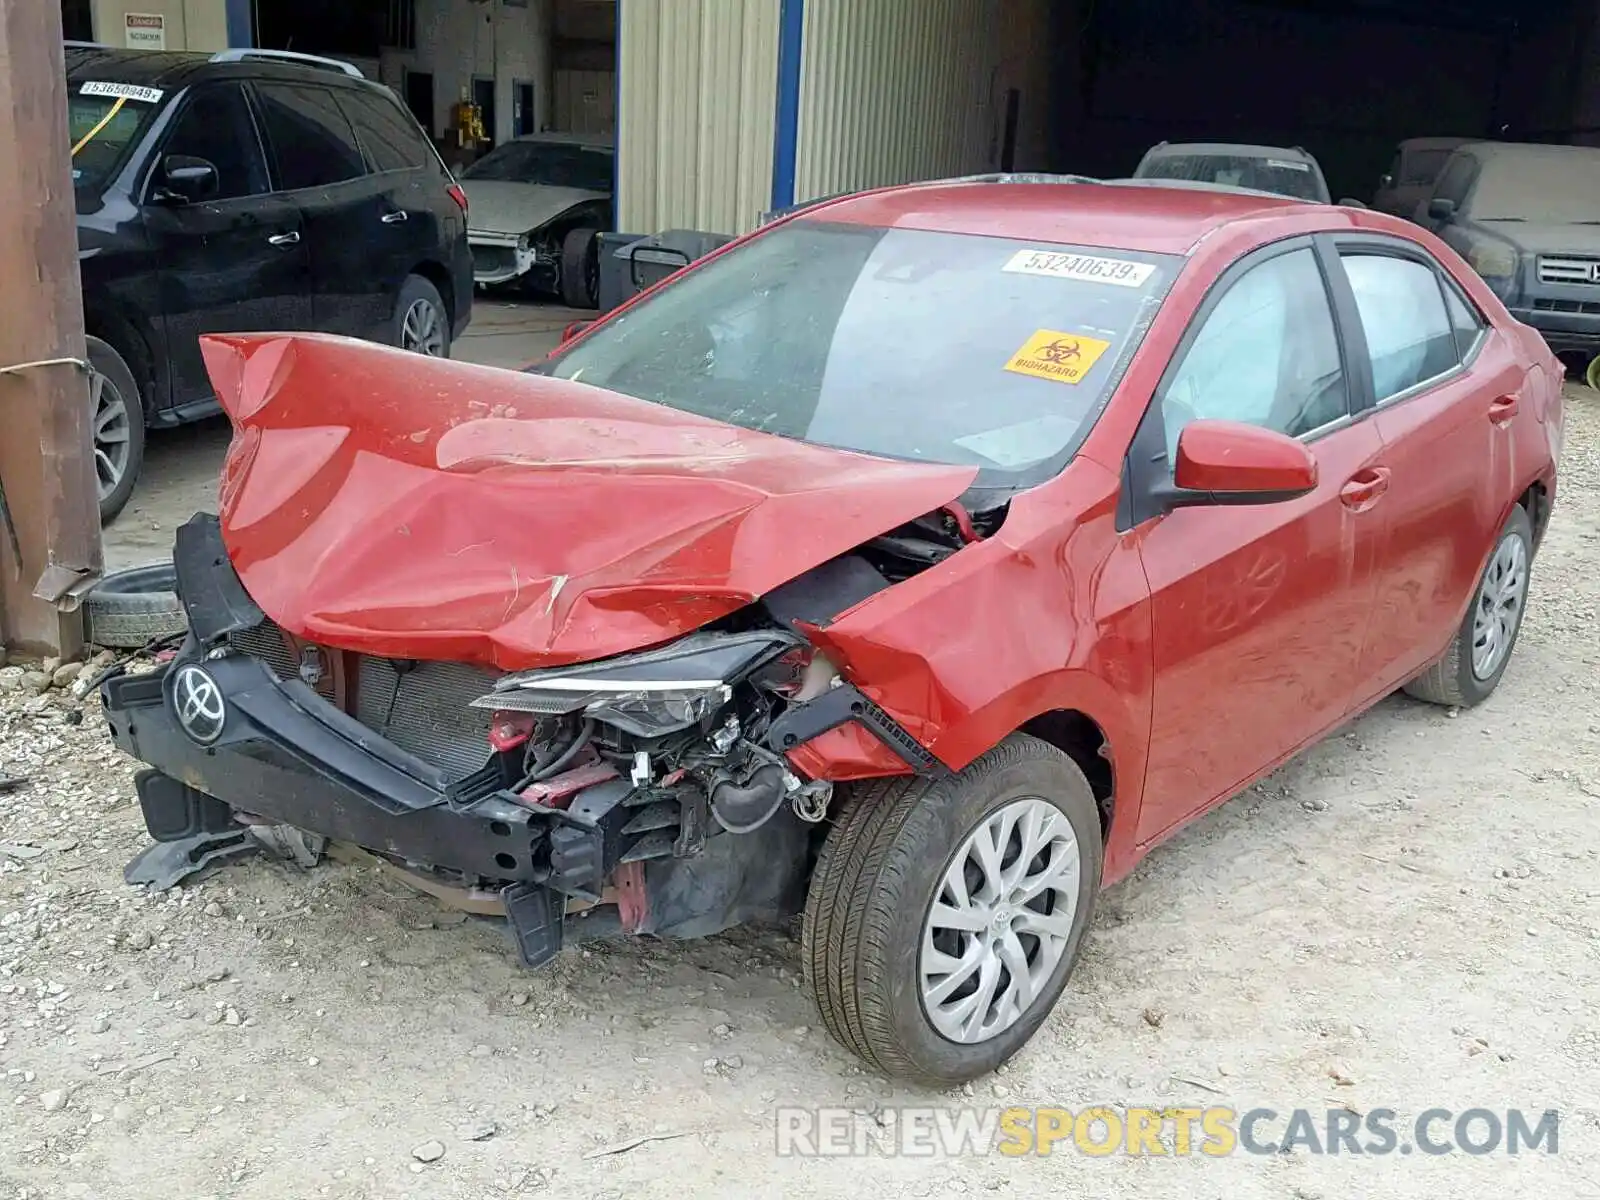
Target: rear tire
column 421, row 321
column 580, row 268
column 116, row 416
column 876, row 947
column 1468, row 674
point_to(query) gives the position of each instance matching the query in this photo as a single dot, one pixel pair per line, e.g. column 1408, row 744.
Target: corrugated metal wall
column 694, row 135
column 896, row 90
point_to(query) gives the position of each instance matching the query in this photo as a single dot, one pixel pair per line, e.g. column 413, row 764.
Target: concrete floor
column 181, row 465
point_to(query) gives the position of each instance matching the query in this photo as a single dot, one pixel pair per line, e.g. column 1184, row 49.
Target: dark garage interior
column 1344, row 79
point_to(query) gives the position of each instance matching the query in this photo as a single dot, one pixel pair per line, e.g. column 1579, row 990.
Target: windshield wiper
column 1522, row 220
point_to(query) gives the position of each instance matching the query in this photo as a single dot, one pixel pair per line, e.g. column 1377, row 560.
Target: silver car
column 535, row 206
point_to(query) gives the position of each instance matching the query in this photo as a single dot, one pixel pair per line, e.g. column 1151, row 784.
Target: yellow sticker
column 1051, row 354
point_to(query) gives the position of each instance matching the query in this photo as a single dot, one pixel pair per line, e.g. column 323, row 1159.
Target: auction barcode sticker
column 122, row 91
column 1086, row 267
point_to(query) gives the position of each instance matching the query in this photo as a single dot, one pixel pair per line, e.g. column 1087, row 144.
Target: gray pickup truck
column 1527, row 217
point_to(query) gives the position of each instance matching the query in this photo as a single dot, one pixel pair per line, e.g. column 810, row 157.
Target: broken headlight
column 649, row 694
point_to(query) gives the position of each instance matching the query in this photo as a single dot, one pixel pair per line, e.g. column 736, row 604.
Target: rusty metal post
column 46, row 455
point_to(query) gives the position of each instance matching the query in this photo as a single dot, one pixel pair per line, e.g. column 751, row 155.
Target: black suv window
column 311, row 140
column 387, row 132
column 216, row 125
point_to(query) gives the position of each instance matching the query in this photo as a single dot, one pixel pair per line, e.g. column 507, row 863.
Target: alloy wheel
column 112, row 433
column 1499, row 607
column 1000, row 920
column 422, row 330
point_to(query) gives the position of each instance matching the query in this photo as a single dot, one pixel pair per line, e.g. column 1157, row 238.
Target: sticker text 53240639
column 1052, row 354
column 1087, row 267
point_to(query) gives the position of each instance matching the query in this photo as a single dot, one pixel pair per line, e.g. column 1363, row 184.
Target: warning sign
column 144, row 31
column 1051, row 354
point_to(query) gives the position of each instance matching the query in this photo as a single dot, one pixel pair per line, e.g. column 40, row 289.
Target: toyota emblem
column 197, row 701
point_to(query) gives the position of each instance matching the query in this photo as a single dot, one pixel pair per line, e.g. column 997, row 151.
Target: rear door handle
column 1503, row 408
column 284, row 239
column 1365, row 488
column 393, row 218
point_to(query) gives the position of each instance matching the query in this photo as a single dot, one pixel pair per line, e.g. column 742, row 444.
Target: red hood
column 413, row 507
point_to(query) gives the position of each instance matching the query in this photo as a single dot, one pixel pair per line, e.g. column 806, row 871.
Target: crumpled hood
column 412, row 507
column 496, row 206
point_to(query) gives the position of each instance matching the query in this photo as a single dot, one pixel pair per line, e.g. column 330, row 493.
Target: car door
column 408, row 228
column 235, row 260
column 319, row 161
column 1258, row 612
column 1445, row 388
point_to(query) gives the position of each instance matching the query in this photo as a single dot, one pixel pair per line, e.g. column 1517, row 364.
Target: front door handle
column 284, row 239
column 1365, row 488
column 393, row 218
column 1503, row 408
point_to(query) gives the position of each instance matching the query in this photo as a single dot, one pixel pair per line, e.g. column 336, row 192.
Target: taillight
column 459, row 195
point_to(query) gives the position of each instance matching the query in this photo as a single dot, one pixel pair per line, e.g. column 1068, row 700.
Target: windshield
column 554, row 164
column 103, row 120
column 935, row 347
column 1283, row 176
column 1558, row 187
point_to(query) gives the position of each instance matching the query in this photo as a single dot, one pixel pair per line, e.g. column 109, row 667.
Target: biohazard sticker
column 1086, row 267
column 121, row 91
column 1063, row 357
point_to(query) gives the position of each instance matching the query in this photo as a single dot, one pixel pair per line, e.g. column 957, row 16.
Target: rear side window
column 1410, row 338
column 388, row 134
column 311, row 140
column 1465, row 320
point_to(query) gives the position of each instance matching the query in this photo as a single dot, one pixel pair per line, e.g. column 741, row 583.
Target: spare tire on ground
column 128, row 609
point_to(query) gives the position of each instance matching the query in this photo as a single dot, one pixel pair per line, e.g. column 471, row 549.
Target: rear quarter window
column 389, row 136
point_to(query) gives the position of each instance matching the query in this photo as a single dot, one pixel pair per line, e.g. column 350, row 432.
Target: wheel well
column 440, row 278
column 122, row 337
column 1536, row 501
column 1077, row 736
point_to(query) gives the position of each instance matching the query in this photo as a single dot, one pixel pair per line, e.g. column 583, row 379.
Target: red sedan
column 918, row 562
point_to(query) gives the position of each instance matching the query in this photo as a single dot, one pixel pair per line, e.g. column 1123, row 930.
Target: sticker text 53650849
column 1087, row 267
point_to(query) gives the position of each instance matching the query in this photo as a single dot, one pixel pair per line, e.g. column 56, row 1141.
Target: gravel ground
column 1408, row 916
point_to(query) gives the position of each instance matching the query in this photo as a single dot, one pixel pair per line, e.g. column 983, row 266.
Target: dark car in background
column 246, row 190
column 1283, row 171
column 1527, row 218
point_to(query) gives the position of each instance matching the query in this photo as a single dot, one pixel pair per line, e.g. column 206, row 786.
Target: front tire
column 945, row 914
column 580, row 268
column 116, row 424
column 1481, row 649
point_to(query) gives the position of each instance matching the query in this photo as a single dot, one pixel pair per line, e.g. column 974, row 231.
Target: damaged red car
column 915, row 564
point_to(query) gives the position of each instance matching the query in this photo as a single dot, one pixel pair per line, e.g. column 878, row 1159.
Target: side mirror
column 1351, row 202
column 188, row 179
column 1229, row 462
column 1441, row 209
column 1385, row 181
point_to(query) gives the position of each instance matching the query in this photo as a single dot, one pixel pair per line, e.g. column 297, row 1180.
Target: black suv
column 246, row 191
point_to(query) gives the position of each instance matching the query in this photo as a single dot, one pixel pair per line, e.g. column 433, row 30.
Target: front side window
column 1456, row 179
column 311, row 140
column 936, row 347
column 215, row 125
column 1402, row 309
column 1267, row 354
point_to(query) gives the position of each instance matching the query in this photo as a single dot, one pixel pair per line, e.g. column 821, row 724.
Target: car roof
column 1486, row 151
column 1432, row 143
column 594, row 141
column 1235, row 149
column 1156, row 220
column 172, row 69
